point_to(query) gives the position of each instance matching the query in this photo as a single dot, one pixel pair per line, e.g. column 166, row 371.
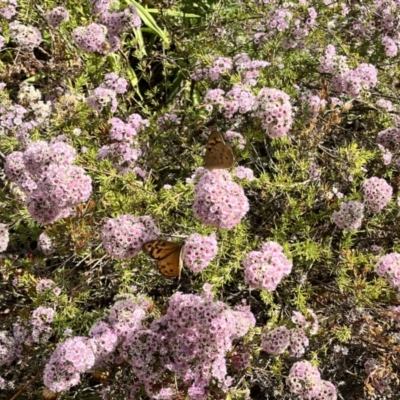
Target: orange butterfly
column 218, row 154
column 168, row 255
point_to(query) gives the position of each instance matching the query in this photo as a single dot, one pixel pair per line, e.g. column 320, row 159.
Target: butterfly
column 168, row 255
column 218, row 154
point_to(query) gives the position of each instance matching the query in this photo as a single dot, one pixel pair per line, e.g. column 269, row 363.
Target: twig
column 24, row 387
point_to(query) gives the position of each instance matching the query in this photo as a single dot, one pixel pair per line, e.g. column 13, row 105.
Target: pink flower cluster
column 79, row 354
column 390, row 46
column 385, row 22
column 44, row 284
column 40, row 329
column 122, row 155
column 238, row 100
column 248, row 69
column 236, row 138
column 4, row 237
column 12, row 121
column 90, row 38
column 315, row 105
column 207, row 329
column 119, row 85
column 168, row 120
column 100, row 6
column 123, row 236
column 199, row 251
column 44, row 171
column 346, row 80
column 27, row 37
column 8, row 8
column 280, row 20
column 9, row 348
column 275, row 112
column 311, row 324
column 264, row 269
column 305, row 381
column 45, row 244
column 388, row 267
column 244, row 173
column 188, row 343
column 314, row 172
column 385, row 104
column 102, row 97
column 388, row 142
column 278, row 340
column 72, row 357
column 117, row 22
column 105, row 36
column 106, row 93
column 36, row 330
column 57, row 16
column 350, row 215
column 221, row 66
column 123, row 151
column 219, row 201
column 377, row 193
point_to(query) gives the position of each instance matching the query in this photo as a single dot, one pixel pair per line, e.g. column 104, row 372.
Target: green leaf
column 150, row 22
column 173, row 13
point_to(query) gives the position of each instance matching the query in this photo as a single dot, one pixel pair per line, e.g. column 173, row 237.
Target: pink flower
column 275, row 112
column 123, row 236
column 350, row 215
column 199, row 251
column 377, row 193
column 4, row 237
column 219, row 201
column 264, row 269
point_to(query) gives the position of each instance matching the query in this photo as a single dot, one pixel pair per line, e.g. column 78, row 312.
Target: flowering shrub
column 105, row 109
column 168, row 344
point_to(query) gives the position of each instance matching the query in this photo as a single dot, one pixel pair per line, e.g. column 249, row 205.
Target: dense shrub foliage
column 286, row 260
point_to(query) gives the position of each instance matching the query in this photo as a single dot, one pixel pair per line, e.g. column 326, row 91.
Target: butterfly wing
column 159, row 249
column 218, row 154
column 171, row 266
column 168, row 254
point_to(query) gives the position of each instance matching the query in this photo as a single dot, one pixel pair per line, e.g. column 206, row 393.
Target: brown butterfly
column 168, row 256
column 218, row 154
